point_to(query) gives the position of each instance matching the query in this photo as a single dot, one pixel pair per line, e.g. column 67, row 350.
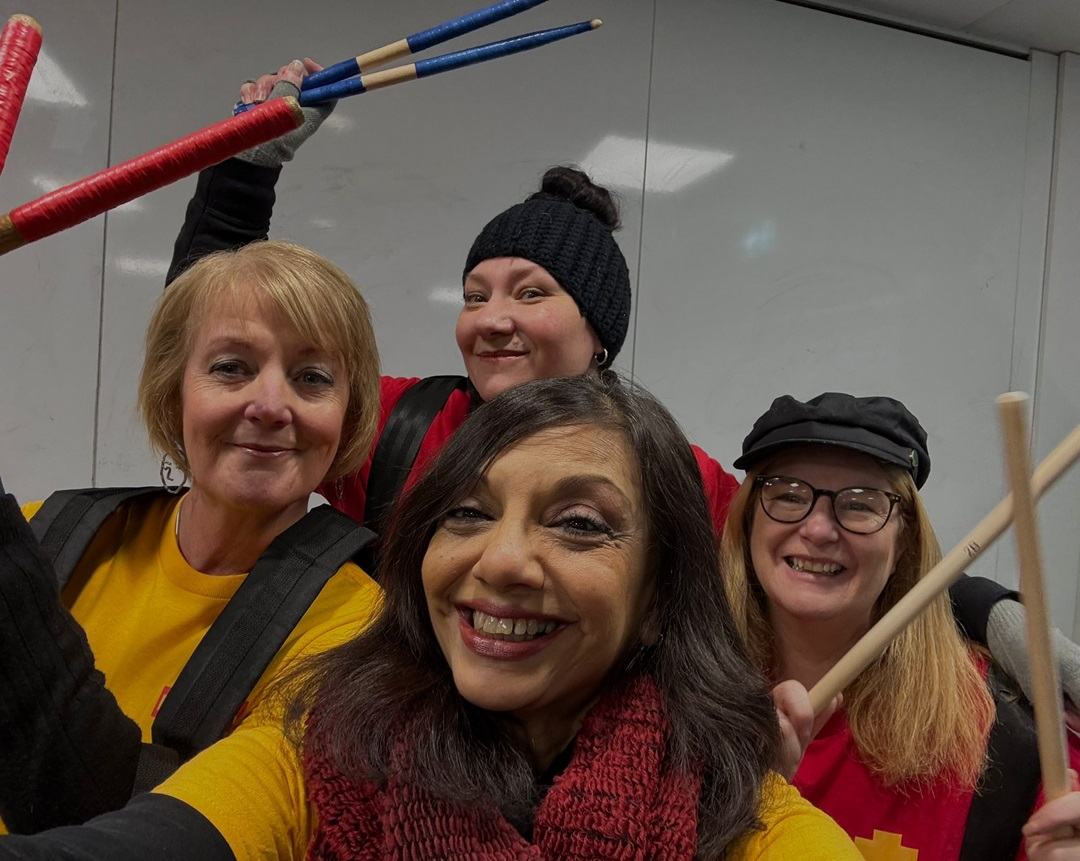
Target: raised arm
column 234, row 200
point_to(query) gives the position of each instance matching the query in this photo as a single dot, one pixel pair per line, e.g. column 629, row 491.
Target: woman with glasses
column 930, row 755
column 554, row 675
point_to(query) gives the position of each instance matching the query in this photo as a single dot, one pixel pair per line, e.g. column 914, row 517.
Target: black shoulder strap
column 234, row 653
column 1010, row 784
column 400, row 440
column 68, row 520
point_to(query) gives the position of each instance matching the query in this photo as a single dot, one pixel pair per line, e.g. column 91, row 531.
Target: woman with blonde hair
column 554, row 675
column 545, row 293
column 260, row 381
column 928, row 753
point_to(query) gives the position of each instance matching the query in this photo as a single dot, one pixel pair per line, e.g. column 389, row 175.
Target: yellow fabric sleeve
column 794, row 828
column 275, row 820
column 144, row 610
column 251, row 787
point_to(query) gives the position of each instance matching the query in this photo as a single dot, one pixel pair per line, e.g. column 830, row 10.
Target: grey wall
column 810, row 203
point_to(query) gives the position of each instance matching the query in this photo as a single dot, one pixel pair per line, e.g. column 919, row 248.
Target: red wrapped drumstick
column 82, row 200
column 19, row 45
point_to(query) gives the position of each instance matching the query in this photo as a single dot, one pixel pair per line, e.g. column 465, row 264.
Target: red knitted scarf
column 615, row 800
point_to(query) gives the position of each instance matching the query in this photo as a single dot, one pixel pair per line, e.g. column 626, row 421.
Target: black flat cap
column 878, row 426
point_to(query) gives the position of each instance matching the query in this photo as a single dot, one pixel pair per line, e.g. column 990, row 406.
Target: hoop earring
column 166, row 473
column 601, row 358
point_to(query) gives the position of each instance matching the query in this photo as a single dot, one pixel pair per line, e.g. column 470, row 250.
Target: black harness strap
column 68, row 520
column 399, row 443
column 1007, row 792
column 249, row 632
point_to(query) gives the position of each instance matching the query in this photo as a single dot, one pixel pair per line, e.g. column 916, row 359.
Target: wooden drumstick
column 938, row 579
column 1046, row 682
column 437, row 65
column 418, row 42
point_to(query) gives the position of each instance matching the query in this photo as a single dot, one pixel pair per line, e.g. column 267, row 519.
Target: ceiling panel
column 1046, row 25
column 951, row 14
column 1049, row 25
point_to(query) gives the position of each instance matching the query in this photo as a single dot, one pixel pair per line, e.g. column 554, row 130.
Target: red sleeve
column 720, row 487
column 349, row 494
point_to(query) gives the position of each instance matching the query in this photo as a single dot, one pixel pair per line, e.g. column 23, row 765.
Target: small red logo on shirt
column 161, row 698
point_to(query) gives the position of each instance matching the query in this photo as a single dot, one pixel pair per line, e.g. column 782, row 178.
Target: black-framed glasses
column 862, row 510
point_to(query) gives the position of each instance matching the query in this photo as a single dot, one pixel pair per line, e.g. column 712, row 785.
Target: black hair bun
column 570, row 183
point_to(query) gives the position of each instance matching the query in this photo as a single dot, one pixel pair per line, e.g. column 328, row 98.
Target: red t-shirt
column 884, row 823
column 349, row 494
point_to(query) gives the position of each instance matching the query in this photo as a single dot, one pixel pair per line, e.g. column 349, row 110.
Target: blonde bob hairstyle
column 315, row 296
column 922, row 712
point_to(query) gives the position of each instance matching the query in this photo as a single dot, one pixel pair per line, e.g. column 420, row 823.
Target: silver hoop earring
column 167, row 479
column 601, row 358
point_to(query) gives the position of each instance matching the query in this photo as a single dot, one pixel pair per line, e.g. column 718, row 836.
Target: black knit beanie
column 578, row 251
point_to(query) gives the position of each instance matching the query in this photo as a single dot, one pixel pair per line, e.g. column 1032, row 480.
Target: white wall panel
column 863, row 234
column 1058, row 393
column 828, row 204
column 396, row 188
column 50, row 292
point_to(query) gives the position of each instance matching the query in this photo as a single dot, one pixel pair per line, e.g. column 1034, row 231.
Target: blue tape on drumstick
column 467, row 23
column 459, row 59
column 448, row 62
column 336, row 72
column 336, row 90
column 426, row 39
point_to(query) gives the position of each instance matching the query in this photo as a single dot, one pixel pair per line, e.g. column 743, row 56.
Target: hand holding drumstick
column 1051, row 832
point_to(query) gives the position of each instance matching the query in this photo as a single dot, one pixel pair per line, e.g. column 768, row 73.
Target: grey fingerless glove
column 1006, row 635
column 276, row 152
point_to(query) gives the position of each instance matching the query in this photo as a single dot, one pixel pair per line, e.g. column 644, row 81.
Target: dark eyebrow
column 590, row 481
column 577, row 484
column 515, row 276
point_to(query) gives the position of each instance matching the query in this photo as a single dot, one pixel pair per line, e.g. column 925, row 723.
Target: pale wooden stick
column 938, row 579
column 1045, row 681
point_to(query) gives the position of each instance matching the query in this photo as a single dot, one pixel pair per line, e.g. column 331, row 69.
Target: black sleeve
column 151, row 828
column 972, row 600
column 67, row 751
column 232, row 206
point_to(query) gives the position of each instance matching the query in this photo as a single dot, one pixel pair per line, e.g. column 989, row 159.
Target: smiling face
column 519, row 324
column 262, row 408
column 814, row 571
column 536, row 582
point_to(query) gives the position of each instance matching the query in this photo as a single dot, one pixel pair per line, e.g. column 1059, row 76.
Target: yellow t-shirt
column 251, row 787
column 794, row 829
column 145, row 609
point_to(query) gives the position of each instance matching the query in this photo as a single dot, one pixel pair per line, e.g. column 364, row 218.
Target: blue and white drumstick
column 444, row 63
column 418, row 42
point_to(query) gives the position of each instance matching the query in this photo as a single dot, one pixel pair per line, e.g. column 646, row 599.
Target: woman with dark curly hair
column 554, row 674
